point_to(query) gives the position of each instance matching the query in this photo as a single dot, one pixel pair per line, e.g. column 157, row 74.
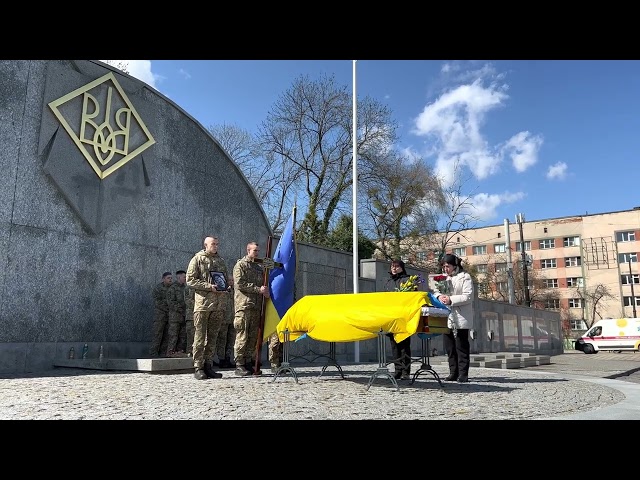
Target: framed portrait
column 219, row 280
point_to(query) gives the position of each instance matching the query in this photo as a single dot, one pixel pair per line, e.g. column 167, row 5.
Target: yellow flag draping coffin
column 352, row 317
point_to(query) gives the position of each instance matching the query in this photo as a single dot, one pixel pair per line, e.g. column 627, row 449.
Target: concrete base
column 506, row 360
column 129, row 364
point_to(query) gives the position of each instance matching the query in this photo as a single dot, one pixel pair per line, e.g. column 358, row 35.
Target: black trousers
column 458, row 350
column 401, row 354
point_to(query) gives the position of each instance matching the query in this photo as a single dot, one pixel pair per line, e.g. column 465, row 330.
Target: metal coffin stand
column 433, row 321
column 286, row 367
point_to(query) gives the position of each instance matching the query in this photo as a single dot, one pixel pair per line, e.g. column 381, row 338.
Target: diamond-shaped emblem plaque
column 103, row 124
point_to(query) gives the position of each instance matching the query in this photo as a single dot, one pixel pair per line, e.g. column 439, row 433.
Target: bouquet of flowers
column 442, row 284
column 411, row 285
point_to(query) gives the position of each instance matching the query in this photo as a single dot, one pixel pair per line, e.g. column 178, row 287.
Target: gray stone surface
column 491, row 395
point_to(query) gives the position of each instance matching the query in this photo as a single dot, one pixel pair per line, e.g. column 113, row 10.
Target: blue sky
column 547, row 138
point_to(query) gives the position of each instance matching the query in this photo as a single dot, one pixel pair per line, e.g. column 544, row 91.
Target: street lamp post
column 525, row 273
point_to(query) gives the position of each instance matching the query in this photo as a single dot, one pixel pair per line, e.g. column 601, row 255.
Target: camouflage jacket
column 199, row 278
column 160, row 292
column 175, row 298
column 248, row 277
column 189, row 301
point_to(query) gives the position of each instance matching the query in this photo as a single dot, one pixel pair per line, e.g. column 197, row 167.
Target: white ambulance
column 611, row 334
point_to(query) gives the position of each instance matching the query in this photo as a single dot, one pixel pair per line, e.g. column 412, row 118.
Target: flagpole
column 355, row 197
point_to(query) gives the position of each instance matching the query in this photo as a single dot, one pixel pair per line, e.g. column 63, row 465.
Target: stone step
column 129, row 364
column 505, row 360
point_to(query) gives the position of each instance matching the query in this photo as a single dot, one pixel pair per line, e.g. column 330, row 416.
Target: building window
column 548, row 263
column 571, row 241
column 527, row 246
column 460, row 252
column 575, row 282
column 575, row 303
column 627, row 257
column 629, row 279
column 499, row 248
column 552, row 304
column 502, row 287
column 481, row 267
column 572, row 261
column 501, row 267
column 480, row 250
column 627, row 301
column 547, row 243
column 578, row 324
column 626, row 237
column 550, row 283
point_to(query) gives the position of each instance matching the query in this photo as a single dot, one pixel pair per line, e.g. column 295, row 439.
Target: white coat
column 461, row 295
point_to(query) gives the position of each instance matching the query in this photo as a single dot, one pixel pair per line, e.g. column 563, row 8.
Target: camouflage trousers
column 189, row 333
column 246, row 323
column 176, row 334
column 160, row 320
column 226, row 341
column 275, row 350
column 206, row 326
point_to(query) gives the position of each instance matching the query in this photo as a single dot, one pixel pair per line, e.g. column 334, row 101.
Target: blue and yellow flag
column 282, row 279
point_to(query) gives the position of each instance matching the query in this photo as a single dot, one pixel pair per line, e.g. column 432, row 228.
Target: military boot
column 199, row 374
column 241, row 371
column 211, row 373
column 251, row 368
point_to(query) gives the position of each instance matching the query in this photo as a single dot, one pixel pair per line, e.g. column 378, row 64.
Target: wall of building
column 597, row 249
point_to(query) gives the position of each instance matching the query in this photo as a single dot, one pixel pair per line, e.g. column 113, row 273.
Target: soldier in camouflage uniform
column 161, row 313
column 275, row 352
column 175, row 299
column 226, row 340
column 209, row 308
column 250, row 292
column 189, row 302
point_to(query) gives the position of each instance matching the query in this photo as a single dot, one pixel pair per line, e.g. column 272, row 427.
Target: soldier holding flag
column 250, row 292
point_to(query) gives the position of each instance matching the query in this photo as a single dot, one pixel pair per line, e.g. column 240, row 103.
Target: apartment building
column 584, row 266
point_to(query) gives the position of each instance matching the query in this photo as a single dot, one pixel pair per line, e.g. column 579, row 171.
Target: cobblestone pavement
column 573, row 386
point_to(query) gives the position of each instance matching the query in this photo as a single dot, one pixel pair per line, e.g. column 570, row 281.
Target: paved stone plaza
column 552, row 391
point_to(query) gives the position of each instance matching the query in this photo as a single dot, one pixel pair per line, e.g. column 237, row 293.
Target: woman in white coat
column 459, row 298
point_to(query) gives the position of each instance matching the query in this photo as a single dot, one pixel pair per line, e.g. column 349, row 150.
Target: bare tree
column 271, row 180
column 397, row 190
column 494, row 283
column 119, row 64
column 454, row 215
column 594, row 297
column 308, row 131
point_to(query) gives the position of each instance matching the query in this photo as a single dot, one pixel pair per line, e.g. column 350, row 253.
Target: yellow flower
column 411, row 285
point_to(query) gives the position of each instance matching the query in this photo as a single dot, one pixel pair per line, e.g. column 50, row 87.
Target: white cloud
column 523, row 149
column 484, row 205
column 453, row 122
column 184, row 73
column 140, row 69
column 557, row 171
